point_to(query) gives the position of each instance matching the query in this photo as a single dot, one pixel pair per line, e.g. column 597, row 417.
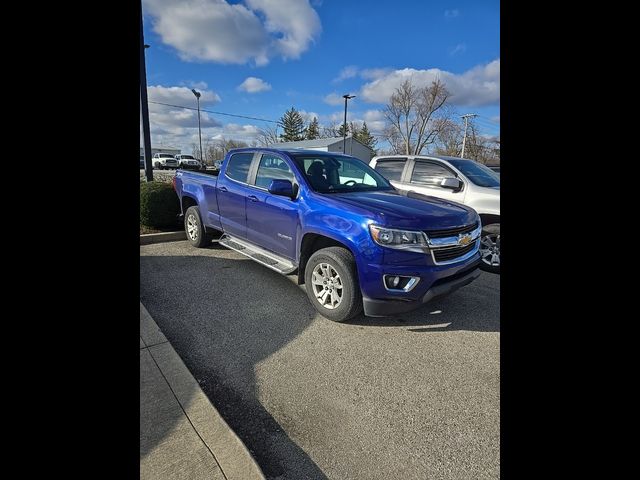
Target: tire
column 196, row 234
column 156, row 166
column 334, row 261
column 490, row 248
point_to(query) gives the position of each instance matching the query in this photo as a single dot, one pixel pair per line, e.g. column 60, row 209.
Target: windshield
column 339, row 174
column 187, row 157
column 477, row 173
column 165, row 155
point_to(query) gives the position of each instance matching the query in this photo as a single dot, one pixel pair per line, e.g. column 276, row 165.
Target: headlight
column 402, row 239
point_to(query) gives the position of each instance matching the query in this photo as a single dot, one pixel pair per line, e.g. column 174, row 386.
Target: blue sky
column 261, row 57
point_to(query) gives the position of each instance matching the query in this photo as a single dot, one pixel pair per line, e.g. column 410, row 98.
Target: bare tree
column 330, row 131
column 416, row 116
column 481, row 148
column 268, row 136
column 449, row 141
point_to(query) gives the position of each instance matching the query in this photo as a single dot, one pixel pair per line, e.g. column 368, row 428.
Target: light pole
column 144, row 106
column 464, row 139
column 197, row 94
column 344, row 131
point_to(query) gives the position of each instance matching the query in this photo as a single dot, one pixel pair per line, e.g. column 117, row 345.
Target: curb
column 229, row 451
column 150, row 238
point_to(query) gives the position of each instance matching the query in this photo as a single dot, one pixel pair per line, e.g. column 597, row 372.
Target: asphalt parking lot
column 411, row 397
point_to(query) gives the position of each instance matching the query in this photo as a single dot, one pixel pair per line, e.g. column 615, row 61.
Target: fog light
column 399, row 282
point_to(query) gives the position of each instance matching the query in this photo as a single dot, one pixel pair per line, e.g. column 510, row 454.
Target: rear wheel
column 332, row 284
column 194, row 229
column 490, row 248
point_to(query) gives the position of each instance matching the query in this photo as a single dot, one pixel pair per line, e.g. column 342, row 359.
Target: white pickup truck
column 163, row 161
column 452, row 178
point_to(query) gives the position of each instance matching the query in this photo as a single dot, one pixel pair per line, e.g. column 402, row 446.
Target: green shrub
column 159, row 205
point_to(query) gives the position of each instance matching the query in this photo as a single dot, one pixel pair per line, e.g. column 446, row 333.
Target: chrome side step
column 260, row 255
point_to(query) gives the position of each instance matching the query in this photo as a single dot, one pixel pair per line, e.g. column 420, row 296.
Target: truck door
column 272, row 220
column 232, row 191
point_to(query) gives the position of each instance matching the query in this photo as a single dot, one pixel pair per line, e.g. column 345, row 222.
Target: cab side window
column 271, row 168
column 429, row 173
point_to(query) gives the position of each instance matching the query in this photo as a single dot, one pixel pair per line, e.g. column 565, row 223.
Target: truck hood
column 412, row 210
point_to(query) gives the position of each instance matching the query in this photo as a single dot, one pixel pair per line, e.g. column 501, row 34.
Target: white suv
column 458, row 179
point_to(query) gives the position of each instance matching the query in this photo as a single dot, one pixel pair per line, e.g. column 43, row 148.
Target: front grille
column 451, row 232
column 450, row 253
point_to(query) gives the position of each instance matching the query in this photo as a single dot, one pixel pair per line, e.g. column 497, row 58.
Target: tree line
column 418, row 120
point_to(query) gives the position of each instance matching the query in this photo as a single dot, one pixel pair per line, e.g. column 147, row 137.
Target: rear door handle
column 223, row 189
column 253, row 198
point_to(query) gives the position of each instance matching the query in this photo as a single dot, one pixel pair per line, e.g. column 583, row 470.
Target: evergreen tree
column 343, row 130
column 313, row 131
column 364, row 136
column 293, row 126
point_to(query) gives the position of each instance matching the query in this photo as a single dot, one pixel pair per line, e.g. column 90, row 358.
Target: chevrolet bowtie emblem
column 464, row 239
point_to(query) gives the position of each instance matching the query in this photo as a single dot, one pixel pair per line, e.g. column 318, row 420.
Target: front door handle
column 253, row 198
column 223, row 189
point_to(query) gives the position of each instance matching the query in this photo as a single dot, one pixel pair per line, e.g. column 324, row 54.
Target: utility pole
column 344, row 131
column 466, row 122
column 146, row 134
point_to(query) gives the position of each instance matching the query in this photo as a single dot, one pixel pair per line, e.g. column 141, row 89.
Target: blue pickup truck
column 353, row 240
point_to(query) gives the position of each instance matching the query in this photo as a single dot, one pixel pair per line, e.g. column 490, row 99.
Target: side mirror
column 283, row 188
column 452, row 183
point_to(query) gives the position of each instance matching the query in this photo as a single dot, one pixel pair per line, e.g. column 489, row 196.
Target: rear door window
column 238, row 166
column 391, row 168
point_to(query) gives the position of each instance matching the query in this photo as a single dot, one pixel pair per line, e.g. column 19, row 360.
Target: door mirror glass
column 452, row 183
column 280, row 187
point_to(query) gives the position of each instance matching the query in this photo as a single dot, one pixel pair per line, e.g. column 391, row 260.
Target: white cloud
column 199, row 85
column 254, row 85
column 333, row 99
column 216, row 31
column 308, row 116
column 459, row 48
column 180, row 95
column 451, row 13
column 347, row 72
column 496, row 118
column 294, row 23
column 373, row 73
column 177, row 126
column 476, row 87
column 375, row 120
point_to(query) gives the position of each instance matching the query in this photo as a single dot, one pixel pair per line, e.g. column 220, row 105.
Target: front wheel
column 490, row 248
column 332, row 286
column 194, row 229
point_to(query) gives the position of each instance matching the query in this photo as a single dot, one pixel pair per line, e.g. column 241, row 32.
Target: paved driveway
column 409, row 397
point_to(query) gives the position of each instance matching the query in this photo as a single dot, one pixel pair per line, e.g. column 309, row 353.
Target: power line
column 217, row 113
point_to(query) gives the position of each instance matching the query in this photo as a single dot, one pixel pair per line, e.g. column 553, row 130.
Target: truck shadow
column 226, row 315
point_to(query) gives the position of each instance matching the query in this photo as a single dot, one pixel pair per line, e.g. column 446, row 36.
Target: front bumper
column 443, row 286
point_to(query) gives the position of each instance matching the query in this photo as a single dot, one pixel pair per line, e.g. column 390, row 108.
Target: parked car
column 164, row 161
column 452, row 178
column 353, row 240
column 141, row 162
column 188, row 162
